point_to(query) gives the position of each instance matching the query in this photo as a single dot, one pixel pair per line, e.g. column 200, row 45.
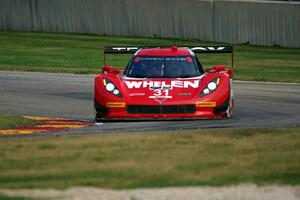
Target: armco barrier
column 263, row 23
column 271, row 23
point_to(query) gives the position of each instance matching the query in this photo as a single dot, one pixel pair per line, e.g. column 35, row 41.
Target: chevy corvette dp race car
column 163, row 83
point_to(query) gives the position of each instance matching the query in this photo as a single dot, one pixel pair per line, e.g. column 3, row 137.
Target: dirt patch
column 244, row 192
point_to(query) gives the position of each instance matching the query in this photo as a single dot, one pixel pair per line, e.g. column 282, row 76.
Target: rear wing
column 195, row 49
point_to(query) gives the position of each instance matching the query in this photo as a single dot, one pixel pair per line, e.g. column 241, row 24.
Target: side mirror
column 223, row 69
column 219, row 68
column 110, row 70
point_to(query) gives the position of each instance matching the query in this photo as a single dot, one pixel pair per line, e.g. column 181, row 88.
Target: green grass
column 4, row 197
column 157, row 159
column 9, row 121
column 76, row 53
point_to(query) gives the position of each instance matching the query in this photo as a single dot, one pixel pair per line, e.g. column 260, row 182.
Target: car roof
column 167, row 51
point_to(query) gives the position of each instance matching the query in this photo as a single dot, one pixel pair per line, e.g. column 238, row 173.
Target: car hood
column 160, row 89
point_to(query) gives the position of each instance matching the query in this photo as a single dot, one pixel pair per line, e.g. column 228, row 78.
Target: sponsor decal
column 161, row 89
column 162, row 84
column 115, row 104
column 208, row 48
column 161, row 94
column 206, row 104
column 136, row 94
column 125, row 48
column 184, row 94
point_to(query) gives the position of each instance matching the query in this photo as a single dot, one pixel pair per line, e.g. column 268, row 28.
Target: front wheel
column 231, row 101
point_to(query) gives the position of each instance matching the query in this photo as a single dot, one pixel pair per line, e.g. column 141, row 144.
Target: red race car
column 164, row 83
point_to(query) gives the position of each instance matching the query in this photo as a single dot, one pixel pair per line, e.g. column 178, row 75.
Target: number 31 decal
column 158, row 93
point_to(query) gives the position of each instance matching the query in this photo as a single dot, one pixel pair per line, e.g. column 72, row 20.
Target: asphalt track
column 71, row 96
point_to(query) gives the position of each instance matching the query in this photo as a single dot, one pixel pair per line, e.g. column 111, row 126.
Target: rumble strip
column 47, row 124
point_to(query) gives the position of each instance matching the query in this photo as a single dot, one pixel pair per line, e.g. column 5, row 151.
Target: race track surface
column 71, row 96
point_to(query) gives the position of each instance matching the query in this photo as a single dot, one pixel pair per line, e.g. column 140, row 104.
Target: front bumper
column 146, row 112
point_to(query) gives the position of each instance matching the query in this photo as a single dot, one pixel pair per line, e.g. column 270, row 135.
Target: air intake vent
column 141, row 109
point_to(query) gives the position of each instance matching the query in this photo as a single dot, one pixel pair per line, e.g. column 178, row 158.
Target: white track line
column 263, row 82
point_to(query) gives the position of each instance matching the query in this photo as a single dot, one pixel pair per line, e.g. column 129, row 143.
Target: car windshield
column 162, row 67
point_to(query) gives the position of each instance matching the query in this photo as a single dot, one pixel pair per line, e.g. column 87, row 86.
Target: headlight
column 116, row 92
column 211, row 86
column 206, row 91
column 111, row 88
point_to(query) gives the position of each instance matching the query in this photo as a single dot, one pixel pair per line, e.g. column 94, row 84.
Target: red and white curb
column 47, row 124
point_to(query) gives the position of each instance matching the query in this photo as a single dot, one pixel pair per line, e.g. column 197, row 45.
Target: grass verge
column 4, row 197
column 157, row 159
column 9, row 121
column 50, row 52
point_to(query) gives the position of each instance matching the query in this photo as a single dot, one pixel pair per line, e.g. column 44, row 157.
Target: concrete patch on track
column 47, row 124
